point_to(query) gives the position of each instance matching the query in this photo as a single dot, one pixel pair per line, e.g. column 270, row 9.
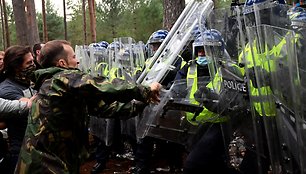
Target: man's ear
column 62, row 63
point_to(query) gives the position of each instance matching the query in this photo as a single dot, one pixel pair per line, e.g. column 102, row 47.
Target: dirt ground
column 117, row 165
column 114, row 166
column 121, row 166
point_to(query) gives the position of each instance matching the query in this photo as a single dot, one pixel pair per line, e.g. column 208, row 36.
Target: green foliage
column 222, row 3
column 114, row 18
column 75, row 24
column 55, row 23
column 11, row 25
column 142, row 20
column 117, row 18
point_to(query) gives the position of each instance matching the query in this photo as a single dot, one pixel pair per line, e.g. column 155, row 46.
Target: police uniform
column 207, row 155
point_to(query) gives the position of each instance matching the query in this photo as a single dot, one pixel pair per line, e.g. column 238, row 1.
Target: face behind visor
column 213, row 44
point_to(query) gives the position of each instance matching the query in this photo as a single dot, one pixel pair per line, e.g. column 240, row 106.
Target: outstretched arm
column 8, row 107
column 94, row 88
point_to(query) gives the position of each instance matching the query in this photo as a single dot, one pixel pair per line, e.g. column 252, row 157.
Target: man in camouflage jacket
column 56, row 136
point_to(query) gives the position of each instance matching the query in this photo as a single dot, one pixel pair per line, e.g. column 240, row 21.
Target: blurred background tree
column 113, row 18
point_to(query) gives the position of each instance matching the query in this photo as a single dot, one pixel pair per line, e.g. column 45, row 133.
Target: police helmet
column 261, row 4
column 114, row 46
column 213, row 43
column 198, row 44
column 198, row 41
column 298, row 20
column 103, row 44
column 95, row 45
column 158, row 36
column 295, row 10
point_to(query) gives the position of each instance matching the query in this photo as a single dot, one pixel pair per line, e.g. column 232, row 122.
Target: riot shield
column 298, row 73
column 272, row 50
column 286, row 87
column 167, row 120
column 82, row 54
column 99, row 61
column 127, row 59
column 243, row 132
column 165, row 58
column 253, row 50
column 267, row 12
column 113, row 63
column 97, row 127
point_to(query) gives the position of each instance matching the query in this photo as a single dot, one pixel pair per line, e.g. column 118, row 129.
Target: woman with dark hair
column 18, row 66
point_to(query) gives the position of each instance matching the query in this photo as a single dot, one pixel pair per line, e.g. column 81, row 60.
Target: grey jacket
column 12, row 107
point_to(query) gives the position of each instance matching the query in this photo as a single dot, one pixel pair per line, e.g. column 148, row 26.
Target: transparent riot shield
column 97, row 127
column 138, row 59
column 243, row 132
column 286, row 88
column 167, row 120
column 298, row 73
column 272, row 50
column 82, row 54
column 268, row 13
column 113, row 63
column 99, row 61
column 253, row 16
column 127, row 59
column 164, row 59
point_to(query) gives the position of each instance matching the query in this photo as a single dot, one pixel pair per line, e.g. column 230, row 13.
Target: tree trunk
column 172, row 10
column 84, row 21
column 2, row 25
column 33, row 35
column 92, row 16
column 21, row 22
column 45, row 28
column 6, row 26
column 65, row 20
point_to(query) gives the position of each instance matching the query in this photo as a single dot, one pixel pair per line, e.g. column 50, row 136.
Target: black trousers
column 208, row 154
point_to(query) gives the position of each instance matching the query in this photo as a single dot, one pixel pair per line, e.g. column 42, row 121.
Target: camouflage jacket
column 56, row 135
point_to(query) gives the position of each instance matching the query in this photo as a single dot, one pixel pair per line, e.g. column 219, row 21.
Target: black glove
column 203, row 95
column 262, row 80
column 209, row 98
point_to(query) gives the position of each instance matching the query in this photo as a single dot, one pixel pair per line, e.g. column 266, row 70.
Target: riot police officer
column 155, row 40
column 208, row 155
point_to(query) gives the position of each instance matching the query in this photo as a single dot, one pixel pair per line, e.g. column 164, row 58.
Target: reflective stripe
column 205, row 115
column 137, row 69
column 183, row 63
column 113, row 73
column 215, row 83
column 105, row 68
column 258, row 96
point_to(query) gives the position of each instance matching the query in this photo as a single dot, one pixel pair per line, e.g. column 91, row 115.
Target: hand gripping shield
column 175, row 118
column 162, row 63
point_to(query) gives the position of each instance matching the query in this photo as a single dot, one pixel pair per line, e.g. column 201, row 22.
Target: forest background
column 86, row 21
